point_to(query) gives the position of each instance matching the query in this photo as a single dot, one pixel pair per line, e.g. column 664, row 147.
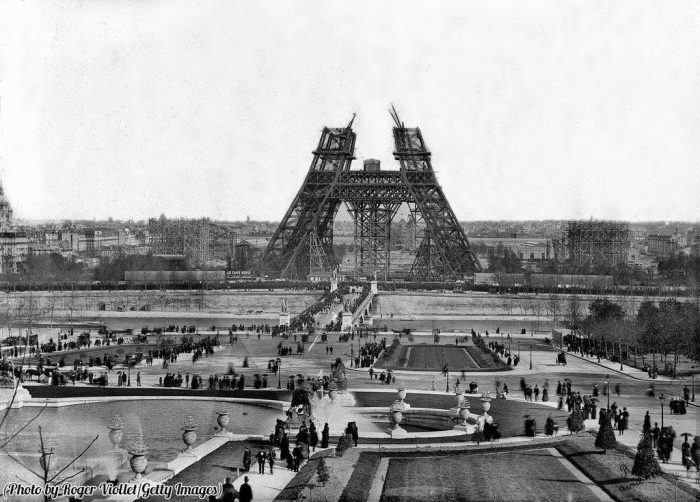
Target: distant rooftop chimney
column 372, row 165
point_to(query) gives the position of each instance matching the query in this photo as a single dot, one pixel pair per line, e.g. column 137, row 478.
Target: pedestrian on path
column 655, row 433
column 325, row 434
column 247, row 459
column 245, row 494
column 261, row 457
column 271, row 459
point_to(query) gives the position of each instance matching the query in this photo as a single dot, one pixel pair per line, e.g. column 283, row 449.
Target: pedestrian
column 138, row 379
column 245, row 494
column 695, row 452
column 646, row 427
column 261, row 458
column 297, row 454
column 617, row 389
column 686, row 458
column 247, row 459
column 536, row 392
column 655, row 433
column 228, row 492
column 271, row 458
column 313, row 437
column 325, row 434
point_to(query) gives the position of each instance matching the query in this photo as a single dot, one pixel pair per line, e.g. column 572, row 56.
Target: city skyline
column 557, row 112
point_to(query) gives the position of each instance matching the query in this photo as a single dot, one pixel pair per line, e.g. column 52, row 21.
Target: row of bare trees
column 668, row 328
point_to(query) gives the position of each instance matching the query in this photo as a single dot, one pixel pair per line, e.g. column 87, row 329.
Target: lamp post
column 279, row 373
column 620, row 356
column 530, row 355
column 692, row 396
column 518, row 349
column 662, row 398
column 607, row 389
column 128, row 371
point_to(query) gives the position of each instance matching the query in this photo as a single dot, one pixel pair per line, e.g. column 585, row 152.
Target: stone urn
column 138, row 461
column 222, row 419
column 463, row 412
column 396, row 411
column 333, row 390
column 401, row 394
column 189, row 434
column 486, row 404
column 115, row 431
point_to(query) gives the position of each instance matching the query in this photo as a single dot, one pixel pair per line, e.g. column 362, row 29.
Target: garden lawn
column 521, row 475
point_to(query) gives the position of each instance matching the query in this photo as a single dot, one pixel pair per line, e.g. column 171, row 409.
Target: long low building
column 173, row 276
column 542, row 280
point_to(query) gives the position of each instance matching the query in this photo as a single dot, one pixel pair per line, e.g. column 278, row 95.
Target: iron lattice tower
column 304, row 238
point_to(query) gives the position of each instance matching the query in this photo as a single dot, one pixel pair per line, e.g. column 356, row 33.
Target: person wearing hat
column 247, row 459
column 245, row 494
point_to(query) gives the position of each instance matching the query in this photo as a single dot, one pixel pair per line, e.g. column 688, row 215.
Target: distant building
column 14, row 248
column 199, row 240
column 662, row 245
column 5, row 211
column 532, row 249
column 14, row 244
column 601, row 243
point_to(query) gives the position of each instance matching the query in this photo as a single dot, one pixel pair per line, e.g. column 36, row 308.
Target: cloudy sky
column 532, row 110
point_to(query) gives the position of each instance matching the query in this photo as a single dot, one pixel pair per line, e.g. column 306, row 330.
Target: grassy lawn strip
column 299, row 484
column 362, row 477
column 524, row 474
column 605, row 469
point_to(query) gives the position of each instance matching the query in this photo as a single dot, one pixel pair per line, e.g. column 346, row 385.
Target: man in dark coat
column 261, row 457
column 247, row 459
column 284, row 446
column 313, row 437
column 271, row 459
column 325, row 435
column 245, row 494
column 297, row 454
column 229, row 493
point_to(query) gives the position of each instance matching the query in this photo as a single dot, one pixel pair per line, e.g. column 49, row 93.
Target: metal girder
column 287, row 253
column 373, row 198
column 447, row 238
column 372, row 236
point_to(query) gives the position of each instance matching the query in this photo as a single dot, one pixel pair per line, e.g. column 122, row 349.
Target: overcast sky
column 532, row 110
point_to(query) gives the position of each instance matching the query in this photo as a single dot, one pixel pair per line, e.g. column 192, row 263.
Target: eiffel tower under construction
column 303, row 242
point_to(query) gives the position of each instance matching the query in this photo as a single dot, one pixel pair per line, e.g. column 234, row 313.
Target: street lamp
column 692, row 397
column 518, row 349
column 662, row 398
column 530, row 355
column 279, row 373
column 620, row 356
column 607, row 389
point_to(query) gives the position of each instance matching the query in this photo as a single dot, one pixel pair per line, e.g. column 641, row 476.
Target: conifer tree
column 606, row 436
column 645, row 463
